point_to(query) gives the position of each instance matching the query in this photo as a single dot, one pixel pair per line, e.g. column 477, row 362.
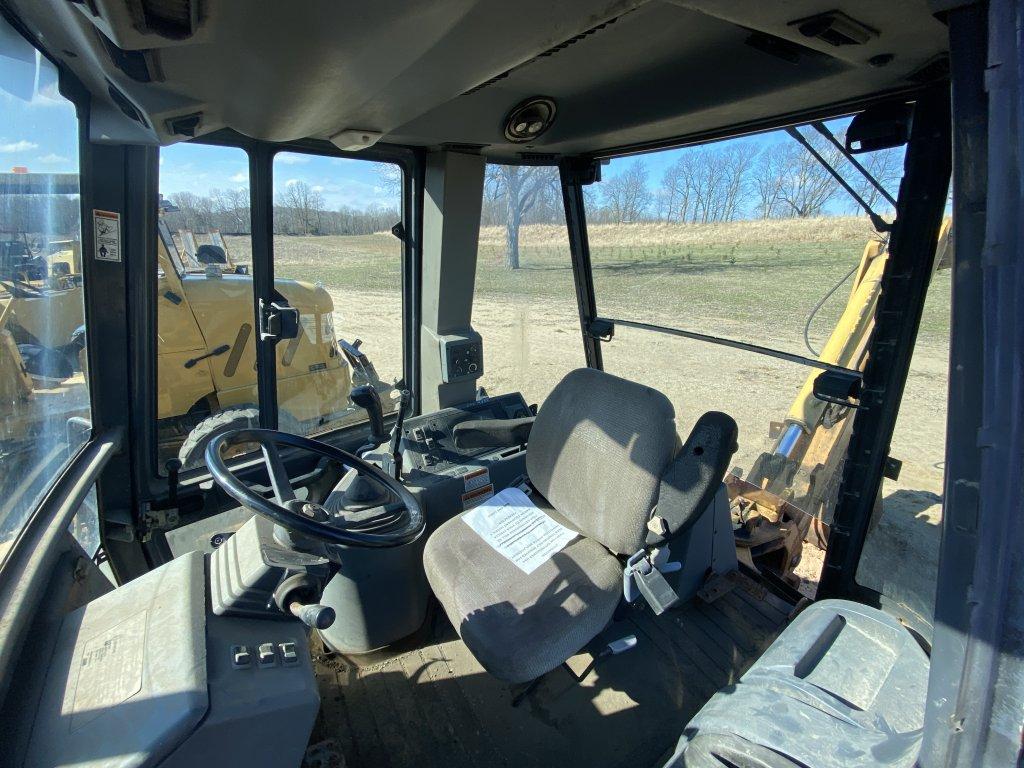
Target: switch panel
column 462, row 357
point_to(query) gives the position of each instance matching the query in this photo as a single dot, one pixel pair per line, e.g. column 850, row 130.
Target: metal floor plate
column 431, row 704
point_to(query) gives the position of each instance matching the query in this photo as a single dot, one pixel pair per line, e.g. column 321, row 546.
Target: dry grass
column 825, row 229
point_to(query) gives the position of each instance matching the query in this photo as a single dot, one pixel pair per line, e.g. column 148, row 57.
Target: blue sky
column 342, row 182
column 38, row 129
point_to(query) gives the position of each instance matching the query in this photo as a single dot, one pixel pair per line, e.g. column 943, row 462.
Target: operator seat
column 599, row 456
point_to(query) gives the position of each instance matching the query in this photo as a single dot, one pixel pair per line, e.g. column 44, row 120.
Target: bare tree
column 768, row 176
column 191, row 208
column 522, row 188
column 736, row 163
column 806, row 185
column 676, row 188
column 305, row 206
column 886, row 165
column 231, row 209
column 626, row 195
column 708, row 183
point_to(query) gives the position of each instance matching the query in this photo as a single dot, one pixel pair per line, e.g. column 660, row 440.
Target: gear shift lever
column 367, row 398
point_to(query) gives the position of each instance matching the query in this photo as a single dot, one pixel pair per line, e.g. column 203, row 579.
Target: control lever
column 313, row 615
column 367, row 398
column 395, row 448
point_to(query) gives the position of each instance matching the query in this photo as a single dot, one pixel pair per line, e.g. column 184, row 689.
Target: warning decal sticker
column 107, row 231
column 478, row 478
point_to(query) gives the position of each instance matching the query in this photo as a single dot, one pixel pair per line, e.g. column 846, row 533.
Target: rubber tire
column 193, row 449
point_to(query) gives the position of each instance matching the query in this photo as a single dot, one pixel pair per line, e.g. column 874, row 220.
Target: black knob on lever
column 367, row 398
column 313, row 615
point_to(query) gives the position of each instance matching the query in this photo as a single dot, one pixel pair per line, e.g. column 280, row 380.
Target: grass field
column 752, row 281
column 758, row 279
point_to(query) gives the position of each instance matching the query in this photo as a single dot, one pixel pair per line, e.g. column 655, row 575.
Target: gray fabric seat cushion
column 597, row 452
column 519, row 625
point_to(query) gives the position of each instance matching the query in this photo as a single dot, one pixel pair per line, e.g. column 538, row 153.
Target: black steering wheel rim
column 268, row 440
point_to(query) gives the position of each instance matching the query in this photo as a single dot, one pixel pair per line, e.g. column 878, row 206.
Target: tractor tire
column 192, row 453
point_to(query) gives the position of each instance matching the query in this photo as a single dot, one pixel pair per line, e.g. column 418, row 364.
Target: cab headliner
column 624, row 74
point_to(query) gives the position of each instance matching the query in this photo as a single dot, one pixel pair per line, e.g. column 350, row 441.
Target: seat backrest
column 597, row 453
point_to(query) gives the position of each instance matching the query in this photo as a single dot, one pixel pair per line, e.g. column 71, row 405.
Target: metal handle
column 313, row 615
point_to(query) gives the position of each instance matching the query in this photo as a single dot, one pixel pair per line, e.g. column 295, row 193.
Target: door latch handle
column 278, row 320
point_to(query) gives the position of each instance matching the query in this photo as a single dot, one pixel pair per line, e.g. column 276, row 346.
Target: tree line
column 711, row 183
column 52, row 216
column 298, row 210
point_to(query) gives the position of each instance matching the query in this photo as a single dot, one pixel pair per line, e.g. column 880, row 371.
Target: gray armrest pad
column 695, row 475
column 493, row 433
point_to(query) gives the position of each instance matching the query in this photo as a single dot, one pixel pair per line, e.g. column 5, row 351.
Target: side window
column 524, row 302
column 901, row 554
column 336, row 260
column 752, row 241
column 44, row 398
column 206, row 344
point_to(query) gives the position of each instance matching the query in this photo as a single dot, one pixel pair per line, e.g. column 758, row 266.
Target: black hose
column 819, row 305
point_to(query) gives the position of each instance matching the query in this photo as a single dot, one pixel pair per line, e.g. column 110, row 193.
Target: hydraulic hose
column 819, row 305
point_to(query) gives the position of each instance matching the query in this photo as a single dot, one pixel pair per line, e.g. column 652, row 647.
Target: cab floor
column 431, row 704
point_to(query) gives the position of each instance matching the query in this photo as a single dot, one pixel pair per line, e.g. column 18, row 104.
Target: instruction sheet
column 519, row 530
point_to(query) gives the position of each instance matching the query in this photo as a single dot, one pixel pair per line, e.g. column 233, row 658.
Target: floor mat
column 431, row 704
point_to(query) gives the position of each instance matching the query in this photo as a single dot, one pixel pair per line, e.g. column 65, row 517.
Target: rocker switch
column 266, row 655
column 241, row 657
column 289, row 657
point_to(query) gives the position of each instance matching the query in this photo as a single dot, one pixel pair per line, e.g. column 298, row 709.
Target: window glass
column 44, row 399
column 751, row 240
column 336, row 260
column 524, row 305
column 206, row 344
column 741, row 238
column 901, row 554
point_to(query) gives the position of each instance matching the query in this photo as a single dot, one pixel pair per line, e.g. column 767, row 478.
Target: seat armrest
column 493, row 433
column 690, row 482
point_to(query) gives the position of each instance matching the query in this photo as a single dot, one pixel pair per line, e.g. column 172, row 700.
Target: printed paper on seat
column 517, row 529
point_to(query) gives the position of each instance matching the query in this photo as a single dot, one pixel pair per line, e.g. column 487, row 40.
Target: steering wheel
column 305, row 517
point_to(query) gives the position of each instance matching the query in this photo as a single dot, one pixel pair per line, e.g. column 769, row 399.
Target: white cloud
column 161, row 159
column 318, row 188
column 53, row 158
column 290, row 159
column 291, row 182
column 240, row 178
column 18, row 146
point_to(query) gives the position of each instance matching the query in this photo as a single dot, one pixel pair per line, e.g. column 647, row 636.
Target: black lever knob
column 313, row 615
column 367, row 398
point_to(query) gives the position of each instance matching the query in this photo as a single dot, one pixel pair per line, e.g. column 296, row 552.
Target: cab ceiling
column 446, row 72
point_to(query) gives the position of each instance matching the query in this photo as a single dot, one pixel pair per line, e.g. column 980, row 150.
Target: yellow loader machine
column 207, row 354
column 789, row 494
column 206, row 363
